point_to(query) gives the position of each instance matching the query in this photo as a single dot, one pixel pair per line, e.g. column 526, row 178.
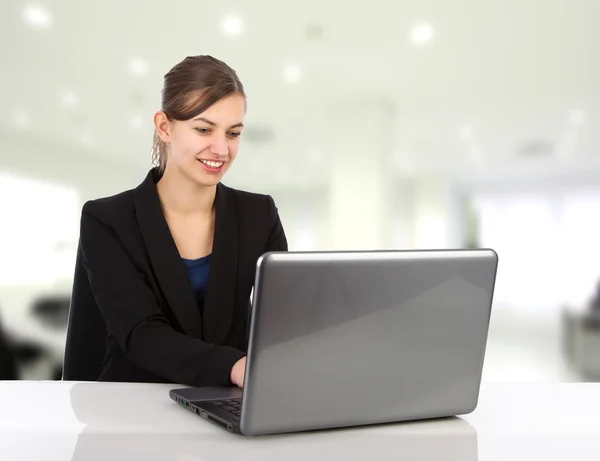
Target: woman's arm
column 277, row 241
column 133, row 316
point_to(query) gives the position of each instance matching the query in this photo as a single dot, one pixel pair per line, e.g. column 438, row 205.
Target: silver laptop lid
column 352, row 338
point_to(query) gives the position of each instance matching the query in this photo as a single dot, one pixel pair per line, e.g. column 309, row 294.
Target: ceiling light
column 136, row 121
column 577, row 117
column 22, row 119
column 232, row 26
column 37, row 16
column 138, row 66
column 292, row 73
column 422, row 33
column 70, row 99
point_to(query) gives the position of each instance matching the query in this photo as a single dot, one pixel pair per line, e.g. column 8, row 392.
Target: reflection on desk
column 451, row 439
column 109, row 421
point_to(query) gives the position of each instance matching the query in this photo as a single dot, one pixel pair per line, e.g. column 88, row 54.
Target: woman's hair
column 189, row 88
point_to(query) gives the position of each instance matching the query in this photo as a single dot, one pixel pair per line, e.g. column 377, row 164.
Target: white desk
column 99, row 421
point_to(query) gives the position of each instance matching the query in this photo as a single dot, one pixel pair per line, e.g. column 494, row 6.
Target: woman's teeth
column 212, row 164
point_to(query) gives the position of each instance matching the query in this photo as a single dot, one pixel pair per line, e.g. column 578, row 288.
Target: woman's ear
column 162, row 126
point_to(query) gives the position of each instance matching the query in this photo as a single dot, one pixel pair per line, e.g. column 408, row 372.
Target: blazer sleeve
column 277, row 239
column 133, row 315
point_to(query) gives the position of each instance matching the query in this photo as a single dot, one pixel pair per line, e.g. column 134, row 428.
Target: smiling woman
column 164, row 271
column 203, row 107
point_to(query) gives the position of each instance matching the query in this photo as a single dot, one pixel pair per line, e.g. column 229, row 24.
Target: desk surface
column 107, row 421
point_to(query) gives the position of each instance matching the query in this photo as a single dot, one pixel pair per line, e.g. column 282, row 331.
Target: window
column 580, row 249
column 547, row 243
column 38, row 231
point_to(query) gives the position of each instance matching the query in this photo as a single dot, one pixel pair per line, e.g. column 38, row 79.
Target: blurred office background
column 416, row 124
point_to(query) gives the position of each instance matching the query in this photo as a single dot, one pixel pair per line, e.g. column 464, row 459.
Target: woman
column 171, row 263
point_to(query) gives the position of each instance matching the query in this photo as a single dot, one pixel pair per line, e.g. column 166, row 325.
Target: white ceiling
column 512, row 70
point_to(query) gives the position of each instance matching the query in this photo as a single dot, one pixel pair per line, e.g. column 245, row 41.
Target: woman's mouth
column 212, row 166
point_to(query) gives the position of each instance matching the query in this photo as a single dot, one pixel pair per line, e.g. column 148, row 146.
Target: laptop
column 341, row 339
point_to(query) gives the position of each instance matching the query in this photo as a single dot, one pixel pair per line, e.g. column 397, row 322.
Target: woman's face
column 204, row 147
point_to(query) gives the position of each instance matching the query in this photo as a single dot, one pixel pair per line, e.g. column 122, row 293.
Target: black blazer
column 155, row 331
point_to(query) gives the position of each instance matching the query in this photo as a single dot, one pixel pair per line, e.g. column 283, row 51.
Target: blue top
column 197, row 270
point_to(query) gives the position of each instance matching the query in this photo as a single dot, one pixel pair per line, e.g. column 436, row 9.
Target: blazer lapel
column 220, row 290
column 164, row 257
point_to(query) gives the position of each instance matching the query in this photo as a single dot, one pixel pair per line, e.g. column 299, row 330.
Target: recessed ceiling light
column 232, row 26
column 22, row 119
column 138, row 66
column 37, row 16
column 577, row 117
column 422, row 33
column 136, row 121
column 70, row 98
column 292, row 73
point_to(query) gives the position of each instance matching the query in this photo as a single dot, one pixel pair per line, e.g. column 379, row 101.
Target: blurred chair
column 8, row 366
column 581, row 338
column 27, row 352
column 52, row 311
column 86, row 331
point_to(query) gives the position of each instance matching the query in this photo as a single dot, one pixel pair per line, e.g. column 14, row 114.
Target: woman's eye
column 234, row 134
column 203, row 130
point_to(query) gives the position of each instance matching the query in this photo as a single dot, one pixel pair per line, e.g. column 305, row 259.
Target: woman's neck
column 183, row 197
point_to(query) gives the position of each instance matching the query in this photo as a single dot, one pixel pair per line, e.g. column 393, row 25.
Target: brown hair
column 189, row 88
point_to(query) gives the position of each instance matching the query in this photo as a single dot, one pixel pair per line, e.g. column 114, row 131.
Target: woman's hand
column 237, row 372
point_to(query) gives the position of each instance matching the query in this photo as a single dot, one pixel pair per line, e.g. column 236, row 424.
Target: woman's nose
column 219, row 146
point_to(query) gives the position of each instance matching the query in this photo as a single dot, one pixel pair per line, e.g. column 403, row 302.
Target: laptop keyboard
column 233, row 406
